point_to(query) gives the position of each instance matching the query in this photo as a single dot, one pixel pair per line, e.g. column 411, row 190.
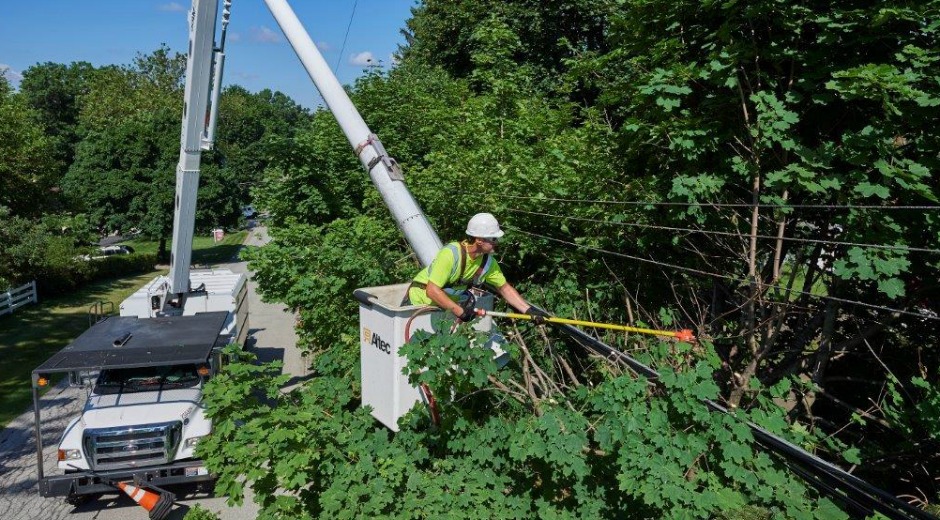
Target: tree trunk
column 161, row 250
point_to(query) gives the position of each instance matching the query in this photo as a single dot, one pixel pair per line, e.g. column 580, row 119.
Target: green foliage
column 46, row 250
column 248, row 127
column 914, row 415
column 523, row 108
column 124, row 168
column 197, row 512
column 25, row 160
column 608, row 451
column 55, row 91
column 551, row 116
column 314, row 270
column 449, row 362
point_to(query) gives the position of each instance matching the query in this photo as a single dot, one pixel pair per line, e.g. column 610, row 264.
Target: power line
column 343, row 48
column 727, row 233
column 853, row 492
column 726, row 277
column 717, row 204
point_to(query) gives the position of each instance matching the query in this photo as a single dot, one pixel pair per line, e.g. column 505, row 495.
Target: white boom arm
column 384, row 171
column 202, row 60
column 204, row 75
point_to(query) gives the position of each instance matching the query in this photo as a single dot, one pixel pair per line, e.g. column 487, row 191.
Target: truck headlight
column 191, row 442
column 69, row 455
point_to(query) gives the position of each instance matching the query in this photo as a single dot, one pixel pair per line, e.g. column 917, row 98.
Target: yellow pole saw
column 681, row 335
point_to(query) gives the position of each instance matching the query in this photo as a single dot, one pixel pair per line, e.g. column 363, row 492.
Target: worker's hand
column 537, row 315
column 469, row 314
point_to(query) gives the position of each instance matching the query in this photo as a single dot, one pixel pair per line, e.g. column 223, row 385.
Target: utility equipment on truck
column 146, row 368
column 382, row 320
column 143, row 415
column 181, row 292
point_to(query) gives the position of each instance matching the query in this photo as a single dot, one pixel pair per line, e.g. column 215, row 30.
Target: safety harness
column 461, row 284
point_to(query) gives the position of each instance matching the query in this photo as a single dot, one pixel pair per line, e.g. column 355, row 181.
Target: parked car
column 249, row 212
column 115, row 250
column 106, row 251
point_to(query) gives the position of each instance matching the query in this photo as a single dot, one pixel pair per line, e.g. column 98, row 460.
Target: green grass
column 34, row 332
column 819, row 285
column 205, row 250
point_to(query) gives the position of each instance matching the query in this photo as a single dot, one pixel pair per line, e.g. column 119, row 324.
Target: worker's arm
column 440, row 298
column 512, row 297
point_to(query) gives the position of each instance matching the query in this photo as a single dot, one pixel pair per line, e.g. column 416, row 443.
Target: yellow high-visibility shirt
column 443, row 273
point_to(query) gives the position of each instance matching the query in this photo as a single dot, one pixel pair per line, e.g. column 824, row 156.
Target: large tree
column 26, row 165
column 54, row 91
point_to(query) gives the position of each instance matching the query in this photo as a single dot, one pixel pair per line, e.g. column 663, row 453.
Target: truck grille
column 131, row 447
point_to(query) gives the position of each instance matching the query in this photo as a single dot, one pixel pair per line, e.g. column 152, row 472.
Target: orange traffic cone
column 157, row 504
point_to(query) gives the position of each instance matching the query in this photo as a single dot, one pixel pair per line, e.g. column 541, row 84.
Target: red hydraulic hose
column 425, row 390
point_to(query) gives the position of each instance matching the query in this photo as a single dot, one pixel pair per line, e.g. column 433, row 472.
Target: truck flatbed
column 127, row 342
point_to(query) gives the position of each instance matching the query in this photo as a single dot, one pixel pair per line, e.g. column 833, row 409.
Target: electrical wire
column 343, row 48
column 727, row 233
column 855, row 493
column 726, row 277
column 716, row 205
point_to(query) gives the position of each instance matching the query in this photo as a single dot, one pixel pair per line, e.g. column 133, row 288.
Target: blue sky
column 104, row 32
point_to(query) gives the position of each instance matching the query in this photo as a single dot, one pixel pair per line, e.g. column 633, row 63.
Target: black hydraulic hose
column 854, row 493
column 849, row 505
column 602, row 349
column 875, row 498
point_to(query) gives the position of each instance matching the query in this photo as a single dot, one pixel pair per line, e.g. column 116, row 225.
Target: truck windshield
column 146, row 379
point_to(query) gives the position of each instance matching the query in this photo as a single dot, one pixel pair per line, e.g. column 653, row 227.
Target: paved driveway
column 272, row 337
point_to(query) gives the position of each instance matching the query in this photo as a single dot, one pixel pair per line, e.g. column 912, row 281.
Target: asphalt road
column 271, row 337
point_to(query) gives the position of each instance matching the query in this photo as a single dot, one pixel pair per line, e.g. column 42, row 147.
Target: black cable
column 855, row 493
column 343, row 48
column 728, row 233
column 716, row 204
column 727, row 277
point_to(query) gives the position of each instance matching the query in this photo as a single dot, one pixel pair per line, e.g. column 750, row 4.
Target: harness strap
column 460, row 254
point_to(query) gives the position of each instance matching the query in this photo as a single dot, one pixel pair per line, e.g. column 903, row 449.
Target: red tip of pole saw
column 480, row 312
column 685, row 335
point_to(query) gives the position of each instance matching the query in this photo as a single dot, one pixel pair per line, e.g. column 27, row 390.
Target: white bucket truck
column 146, row 368
column 143, row 414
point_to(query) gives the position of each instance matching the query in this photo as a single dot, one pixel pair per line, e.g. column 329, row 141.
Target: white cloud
column 265, row 35
column 233, row 37
column 323, row 46
column 247, row 76
column 393, row 59
column 12, row 75
column 171, row 7
column 364, row 58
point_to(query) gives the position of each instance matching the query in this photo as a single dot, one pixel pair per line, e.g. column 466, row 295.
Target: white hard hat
column 484, row 225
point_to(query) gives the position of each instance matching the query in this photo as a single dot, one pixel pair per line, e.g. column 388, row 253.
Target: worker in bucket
column 462, row 266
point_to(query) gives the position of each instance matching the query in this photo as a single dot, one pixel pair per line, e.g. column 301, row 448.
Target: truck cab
column 143, row 415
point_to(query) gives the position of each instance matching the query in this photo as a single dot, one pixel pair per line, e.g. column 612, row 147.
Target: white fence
column 17, row 297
